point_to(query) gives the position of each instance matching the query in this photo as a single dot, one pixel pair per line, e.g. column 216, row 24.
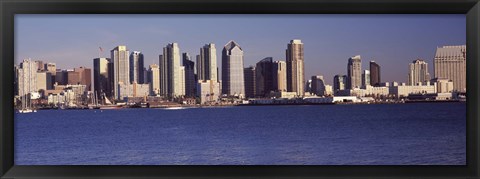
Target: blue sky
column 393, row 41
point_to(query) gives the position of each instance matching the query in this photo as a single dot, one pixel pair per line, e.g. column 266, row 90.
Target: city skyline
column 392, row 39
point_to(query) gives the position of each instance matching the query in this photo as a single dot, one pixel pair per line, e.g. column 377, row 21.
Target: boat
column 174, row 108
column 95, row 104
column 110, row 107
column 26, row 108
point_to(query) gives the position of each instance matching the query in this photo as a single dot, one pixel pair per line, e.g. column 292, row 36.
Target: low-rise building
column 134, row 90
column 402, row 91
column 208, row 91
column 283, row 94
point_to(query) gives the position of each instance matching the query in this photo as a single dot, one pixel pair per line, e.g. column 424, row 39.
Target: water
column 384, row 134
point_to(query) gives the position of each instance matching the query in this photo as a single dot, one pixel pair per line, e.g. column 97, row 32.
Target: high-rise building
column 163, row 69
column 121, row 69
column 111, row 76
column 52, row 69
column 418, row 73
column 27, row 77
column 154, row 79
column 354, row 72
column 249, row 78
column 280, row 75
column 365, row 78
column 375, row 77
column 450, row 63
column 73, row 77
column 136, row 67
column 80, row 76
column 190, row 82
column 207, row 63
column 100, row 76
column 318, row 86
column 40, row 65
column 264, row 77
column 339, row 82
column 15, row 79
column 85, row 77
column 182, row 80
column 175, row 85
column 208, row 83
column 232, row 70
column 61, row 77
column 44, row 80
column 295, row 67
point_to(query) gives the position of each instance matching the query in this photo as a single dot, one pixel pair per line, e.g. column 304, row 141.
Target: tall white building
column 365, row 78
column 207, row 63
column 232, row 70
column 44, row 80
column 295, row 67
column 208, row 86
column 27, row 77
column 450, row 63
column 154, row 73
column 280, row 75
column 174, row 76
column 354, row 72
column 121, row 69
column 418, row 73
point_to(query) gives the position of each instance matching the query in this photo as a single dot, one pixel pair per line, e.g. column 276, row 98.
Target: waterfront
column 379, row 134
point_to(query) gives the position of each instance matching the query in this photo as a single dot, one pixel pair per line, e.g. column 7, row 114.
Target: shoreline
column 240, row 105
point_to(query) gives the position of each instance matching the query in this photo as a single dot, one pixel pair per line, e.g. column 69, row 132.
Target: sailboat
column 26, row 108
column 94, row 101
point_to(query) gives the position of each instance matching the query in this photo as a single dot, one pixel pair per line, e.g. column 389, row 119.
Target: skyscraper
column 208, row 86
column 163, row 69
column 136, row 67
column 61, row 77
column 418, row 72
column 207, row 63
column 121, row 69
column 15, row 79
column 339, row 82
column 100, row 76
column 450, row 63
column 264, row 77
column 365, row 78
column 43, row 80
column 175, row 85
column 280, row 75
column 40, row 65
column 190, row 82
column 27, row 77
column 249, row 78
column 154, row 78
column 354, row 72
column 295, row 67
column 52, row 69
column 375, row 78
column 232, row 70
column 85, row 77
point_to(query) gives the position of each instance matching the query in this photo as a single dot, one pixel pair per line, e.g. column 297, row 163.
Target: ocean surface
column 380, row 134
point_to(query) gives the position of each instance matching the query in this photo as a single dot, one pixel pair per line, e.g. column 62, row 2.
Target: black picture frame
column 8, row 9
